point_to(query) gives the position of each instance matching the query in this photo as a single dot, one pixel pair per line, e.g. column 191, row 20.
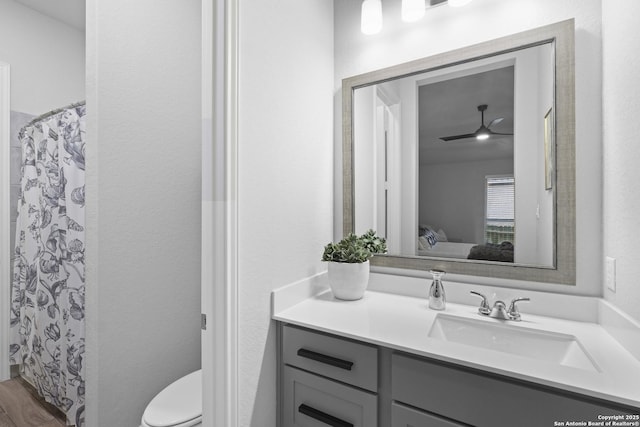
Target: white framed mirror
column 464, row 161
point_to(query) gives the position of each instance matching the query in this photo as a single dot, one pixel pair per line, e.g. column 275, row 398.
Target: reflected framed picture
column 549, row 149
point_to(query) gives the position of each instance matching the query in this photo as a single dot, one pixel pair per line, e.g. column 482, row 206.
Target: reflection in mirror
column 451, row 163
column 471, row 148
column 465, row 173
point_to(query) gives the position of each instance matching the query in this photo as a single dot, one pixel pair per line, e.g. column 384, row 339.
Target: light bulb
column 482, row 136
column 371, row 18
column 412, row 10
column 458, row 3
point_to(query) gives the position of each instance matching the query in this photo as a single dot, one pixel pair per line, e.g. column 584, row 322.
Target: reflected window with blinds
column 500, row 209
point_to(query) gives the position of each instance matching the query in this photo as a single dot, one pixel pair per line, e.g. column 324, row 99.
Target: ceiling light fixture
column 458, row 3
column 482, row 135
column 371, row 18
column 412, row 10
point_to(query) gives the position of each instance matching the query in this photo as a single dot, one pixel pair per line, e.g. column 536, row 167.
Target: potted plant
column 349, row 263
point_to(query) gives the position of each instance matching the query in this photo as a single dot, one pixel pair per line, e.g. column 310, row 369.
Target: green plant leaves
column 354, row 249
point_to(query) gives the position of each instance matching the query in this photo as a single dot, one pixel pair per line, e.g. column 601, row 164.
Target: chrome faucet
column 514, row 314
column 499, row 310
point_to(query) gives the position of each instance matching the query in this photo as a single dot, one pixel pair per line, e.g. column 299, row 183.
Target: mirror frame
column 564, row 271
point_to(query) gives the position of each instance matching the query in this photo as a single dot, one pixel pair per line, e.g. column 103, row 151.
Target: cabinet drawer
column 403, row 416
column 313, row 401
column 347, row 361
column 481, row 400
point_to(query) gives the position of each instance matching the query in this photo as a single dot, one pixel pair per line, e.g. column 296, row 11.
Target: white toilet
column 178, row 405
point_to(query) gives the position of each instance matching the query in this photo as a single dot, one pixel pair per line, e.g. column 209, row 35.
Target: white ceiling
column 450, row 108
column 70, row 12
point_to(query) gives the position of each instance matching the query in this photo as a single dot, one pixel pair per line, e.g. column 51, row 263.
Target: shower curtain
column 48, row 288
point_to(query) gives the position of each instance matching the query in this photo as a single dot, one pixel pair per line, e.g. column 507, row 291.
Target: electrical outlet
column 610, row 271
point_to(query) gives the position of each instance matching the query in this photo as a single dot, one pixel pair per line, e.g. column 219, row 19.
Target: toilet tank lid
column 179, row 402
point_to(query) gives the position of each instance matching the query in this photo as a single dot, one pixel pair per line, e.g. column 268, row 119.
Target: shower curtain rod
column 53, row 112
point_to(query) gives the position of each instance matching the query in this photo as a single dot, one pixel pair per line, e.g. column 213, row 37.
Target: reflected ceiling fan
column 483, row 131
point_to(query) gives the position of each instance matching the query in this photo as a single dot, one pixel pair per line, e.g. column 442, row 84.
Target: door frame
column 5, row 215
column 219, row 213
column 391, row 126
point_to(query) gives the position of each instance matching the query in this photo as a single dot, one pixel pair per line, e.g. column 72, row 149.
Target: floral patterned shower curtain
column 47, row 295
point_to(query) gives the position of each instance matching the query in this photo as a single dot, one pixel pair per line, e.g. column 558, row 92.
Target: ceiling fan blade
column 456, row 137
column 483, row 131
column 495, row 121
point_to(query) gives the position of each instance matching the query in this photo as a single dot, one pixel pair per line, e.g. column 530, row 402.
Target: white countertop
column 403, row 323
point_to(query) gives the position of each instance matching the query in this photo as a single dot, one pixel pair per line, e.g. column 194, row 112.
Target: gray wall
column 452, row 196
column 143, row 202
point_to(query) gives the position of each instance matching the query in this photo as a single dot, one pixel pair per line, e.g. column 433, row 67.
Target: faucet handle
column 484, row 305
column 513, row 311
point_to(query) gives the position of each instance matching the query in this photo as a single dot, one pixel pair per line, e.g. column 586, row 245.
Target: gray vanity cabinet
column 311, row 400
column 472, row 397
column 332, row 381
column 327, row 381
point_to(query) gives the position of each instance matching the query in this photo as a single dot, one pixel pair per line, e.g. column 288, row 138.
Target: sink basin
column 551, row 347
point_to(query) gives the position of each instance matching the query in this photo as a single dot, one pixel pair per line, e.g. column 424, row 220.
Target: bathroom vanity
column 387, row 360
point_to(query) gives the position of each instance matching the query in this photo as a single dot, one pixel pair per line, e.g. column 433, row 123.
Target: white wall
column 143, row 202
column 47, row 59
column 443, row 29
column 527, row 140
column 452, row 197
column 533, row 99
column 285, row 198
column 621, row 105
column 364, row 145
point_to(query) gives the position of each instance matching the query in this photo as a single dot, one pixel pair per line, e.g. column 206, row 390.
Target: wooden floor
column 20, row 406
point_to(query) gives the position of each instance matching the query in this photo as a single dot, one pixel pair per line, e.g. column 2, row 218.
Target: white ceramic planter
column 348, row 281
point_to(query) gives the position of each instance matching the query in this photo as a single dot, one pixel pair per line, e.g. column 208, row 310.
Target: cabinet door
column 313, row 401
column 481, row 400
column 403, row 416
